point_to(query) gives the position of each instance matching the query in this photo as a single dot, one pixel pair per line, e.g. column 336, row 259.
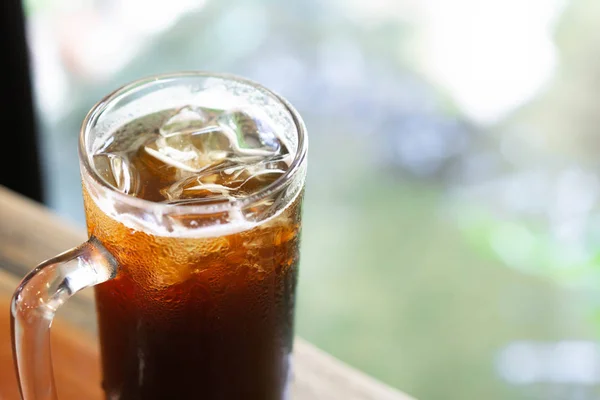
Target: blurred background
column 451, row 245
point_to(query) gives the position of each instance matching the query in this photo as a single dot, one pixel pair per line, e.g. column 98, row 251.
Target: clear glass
column 196, row 300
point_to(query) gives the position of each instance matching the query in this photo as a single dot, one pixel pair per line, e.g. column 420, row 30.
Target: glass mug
column 194, row 292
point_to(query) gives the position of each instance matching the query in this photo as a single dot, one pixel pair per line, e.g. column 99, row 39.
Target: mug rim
column 195, row 208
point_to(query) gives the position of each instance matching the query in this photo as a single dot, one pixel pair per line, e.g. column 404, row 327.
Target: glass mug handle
column 35, row 302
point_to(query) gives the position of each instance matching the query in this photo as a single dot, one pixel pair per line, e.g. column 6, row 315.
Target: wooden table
column 29, row 234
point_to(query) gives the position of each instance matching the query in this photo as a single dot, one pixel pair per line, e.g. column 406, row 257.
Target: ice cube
column 230, row 179
column 218, row 155
column 117, row 171
column 186, row 151
column 257, row 180
column 188, row 141
column 193, row 188
column 250, row 132
column 187, row 119
column 214, row 142
column 194, row 139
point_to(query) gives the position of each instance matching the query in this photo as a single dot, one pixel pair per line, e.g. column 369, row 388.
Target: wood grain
column 30, row 233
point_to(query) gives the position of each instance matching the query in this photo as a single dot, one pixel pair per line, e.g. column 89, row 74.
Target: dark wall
column 19, row 157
